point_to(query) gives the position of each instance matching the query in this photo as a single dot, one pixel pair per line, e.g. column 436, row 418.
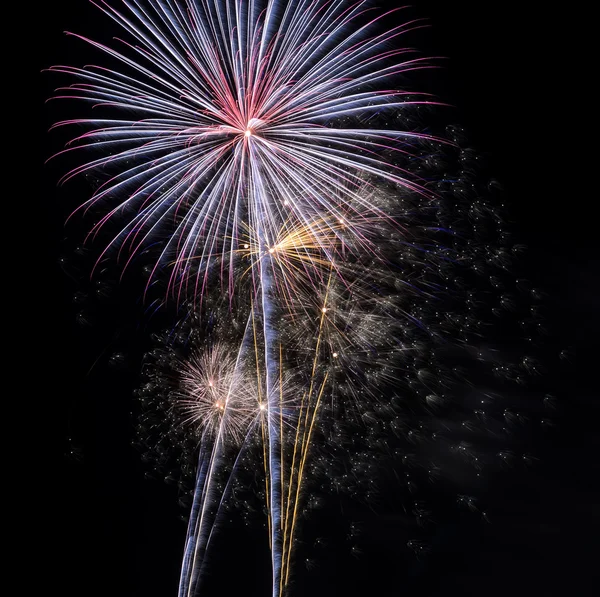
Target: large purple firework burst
column 246, row 119
column 261, row 153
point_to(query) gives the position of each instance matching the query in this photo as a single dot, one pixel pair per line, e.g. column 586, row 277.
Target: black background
column 100, row 528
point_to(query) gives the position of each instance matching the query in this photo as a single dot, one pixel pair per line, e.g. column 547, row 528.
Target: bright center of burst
column 248, row 133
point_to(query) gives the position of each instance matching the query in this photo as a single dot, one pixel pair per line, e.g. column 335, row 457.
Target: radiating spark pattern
column 244, row 145
column 232, row 107
column 214, row 395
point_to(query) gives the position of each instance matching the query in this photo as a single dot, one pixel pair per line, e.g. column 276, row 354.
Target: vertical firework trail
column 201, row 519
column 245, row 143
column 274, row 439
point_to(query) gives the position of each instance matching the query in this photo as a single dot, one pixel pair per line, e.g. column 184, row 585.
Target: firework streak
column 241, row 145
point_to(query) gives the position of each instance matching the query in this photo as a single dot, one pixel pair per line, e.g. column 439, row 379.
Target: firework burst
column 215, row 397
column 235, row 106
column 243, row 145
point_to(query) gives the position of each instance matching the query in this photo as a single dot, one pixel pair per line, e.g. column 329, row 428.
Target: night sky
column 107, row 530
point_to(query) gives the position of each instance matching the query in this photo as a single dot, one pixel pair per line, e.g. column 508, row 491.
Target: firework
column 234, row 110
column 242, row 145
column 214, row 397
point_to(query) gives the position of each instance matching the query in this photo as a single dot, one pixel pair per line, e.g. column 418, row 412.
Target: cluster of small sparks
column 320, row 281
